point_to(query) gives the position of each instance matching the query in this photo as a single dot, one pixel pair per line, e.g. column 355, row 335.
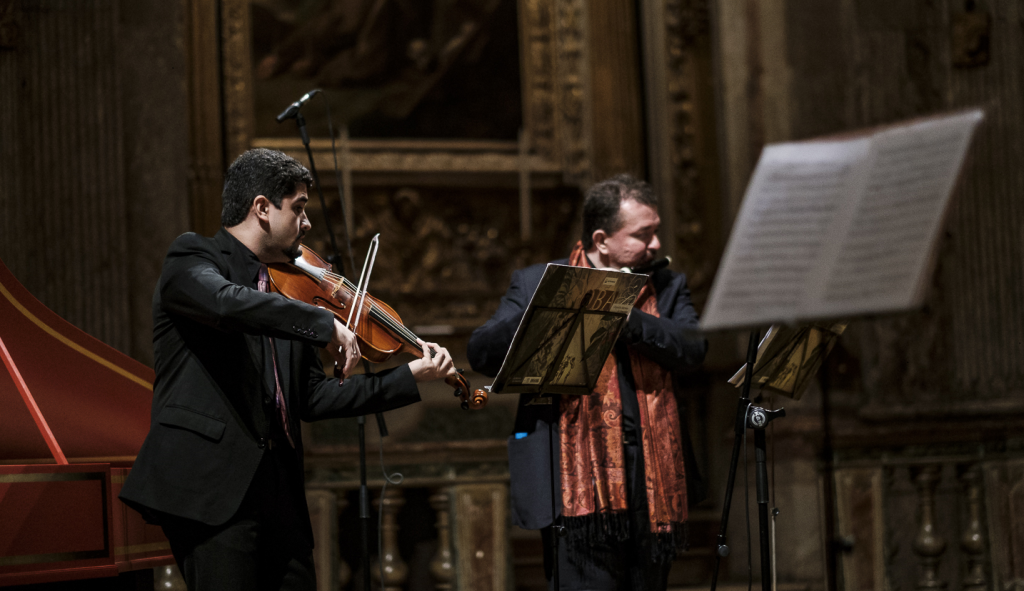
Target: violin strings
column 374, row 311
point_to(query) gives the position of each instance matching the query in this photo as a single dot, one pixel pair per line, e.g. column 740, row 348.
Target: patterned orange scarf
column 593, row 465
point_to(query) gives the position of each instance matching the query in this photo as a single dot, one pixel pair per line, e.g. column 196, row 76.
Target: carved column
column 324, row 519
column 441, row 565
column 395, row 570
column 344, row 570
column 928, row 545
column 480, row 534
column 972, row 541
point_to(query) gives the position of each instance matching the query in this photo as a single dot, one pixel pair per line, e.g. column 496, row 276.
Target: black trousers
column 261, row 548
column 610, row 564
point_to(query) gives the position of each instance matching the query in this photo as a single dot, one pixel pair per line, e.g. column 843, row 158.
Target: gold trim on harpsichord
column 50, row 558
column 141, row 548
column 73, row 345
column 72, row 461
column 51, row 477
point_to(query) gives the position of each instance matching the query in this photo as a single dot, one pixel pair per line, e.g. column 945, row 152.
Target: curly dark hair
column 603, row 201
column 260, row 171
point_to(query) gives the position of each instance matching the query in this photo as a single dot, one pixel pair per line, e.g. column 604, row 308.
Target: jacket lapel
column 243, row 269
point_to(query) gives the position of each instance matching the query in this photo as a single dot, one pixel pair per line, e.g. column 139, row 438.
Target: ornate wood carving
column 440, row 158
column 574, row 91
column 537, row 25
column 236, row 51
column 556, row 98
column 693, row 146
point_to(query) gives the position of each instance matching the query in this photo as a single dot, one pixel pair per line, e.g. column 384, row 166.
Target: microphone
column 650, row 267
column 293, row 109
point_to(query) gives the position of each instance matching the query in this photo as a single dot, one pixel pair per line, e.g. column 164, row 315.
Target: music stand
column 788, row 357
column 784, row 362
column 844, row 226
column 566, row 334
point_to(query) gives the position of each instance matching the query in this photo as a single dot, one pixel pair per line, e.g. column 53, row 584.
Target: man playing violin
column 236, row 369
column 624, row 467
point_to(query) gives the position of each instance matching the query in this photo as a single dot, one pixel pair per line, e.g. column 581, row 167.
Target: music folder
column 568, row 330
column 788, row 357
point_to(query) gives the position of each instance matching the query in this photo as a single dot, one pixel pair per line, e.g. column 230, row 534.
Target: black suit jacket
column 213, row 398
column 670, row 340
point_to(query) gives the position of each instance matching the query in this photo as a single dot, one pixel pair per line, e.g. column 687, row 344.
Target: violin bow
column 364, row 281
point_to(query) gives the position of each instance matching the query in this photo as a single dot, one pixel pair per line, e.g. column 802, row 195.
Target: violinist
column 221, row 470
column 626, row 470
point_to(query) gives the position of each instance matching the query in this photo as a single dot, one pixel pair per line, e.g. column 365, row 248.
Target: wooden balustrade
column 394, row 569
column 972, row 540
column 483, row 563
column 441, row 565
column 966, row 513
column 928, row 545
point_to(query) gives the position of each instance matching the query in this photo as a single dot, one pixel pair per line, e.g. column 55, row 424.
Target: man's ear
column 261, row 207
column 600, row 238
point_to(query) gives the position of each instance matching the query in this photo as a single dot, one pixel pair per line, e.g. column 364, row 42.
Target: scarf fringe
column 584, row 531
column 605, row 527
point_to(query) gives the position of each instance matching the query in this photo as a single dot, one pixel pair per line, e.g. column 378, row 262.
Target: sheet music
column 559, row 349
column 835, row 227
column 890, row 238
column 788, row 217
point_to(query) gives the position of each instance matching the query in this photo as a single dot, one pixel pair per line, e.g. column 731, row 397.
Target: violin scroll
column 477, row 401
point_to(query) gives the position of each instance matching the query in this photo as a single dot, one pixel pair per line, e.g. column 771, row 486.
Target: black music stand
column 566, row 334
column 784, row 362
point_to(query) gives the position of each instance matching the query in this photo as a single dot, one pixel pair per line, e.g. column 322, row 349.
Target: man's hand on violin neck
column 344, row 348
column 432, row 366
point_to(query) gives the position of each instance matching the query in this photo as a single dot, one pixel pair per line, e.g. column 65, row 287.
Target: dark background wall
column 93, row 168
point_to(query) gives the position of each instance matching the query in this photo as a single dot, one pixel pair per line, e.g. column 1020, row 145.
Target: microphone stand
column 756, row 418
column 364, row 491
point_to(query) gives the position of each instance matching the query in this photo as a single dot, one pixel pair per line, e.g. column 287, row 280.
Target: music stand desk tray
column 568, row 330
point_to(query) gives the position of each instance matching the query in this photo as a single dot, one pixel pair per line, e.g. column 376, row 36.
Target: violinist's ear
column 261, row 207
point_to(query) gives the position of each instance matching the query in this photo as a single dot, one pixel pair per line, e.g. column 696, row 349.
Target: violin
column 379, row 330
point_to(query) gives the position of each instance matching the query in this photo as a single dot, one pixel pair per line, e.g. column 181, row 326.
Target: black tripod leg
column 762, row 508
column 556, row 533
column 722, row 549
column 364, row 507
column 828, row 492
